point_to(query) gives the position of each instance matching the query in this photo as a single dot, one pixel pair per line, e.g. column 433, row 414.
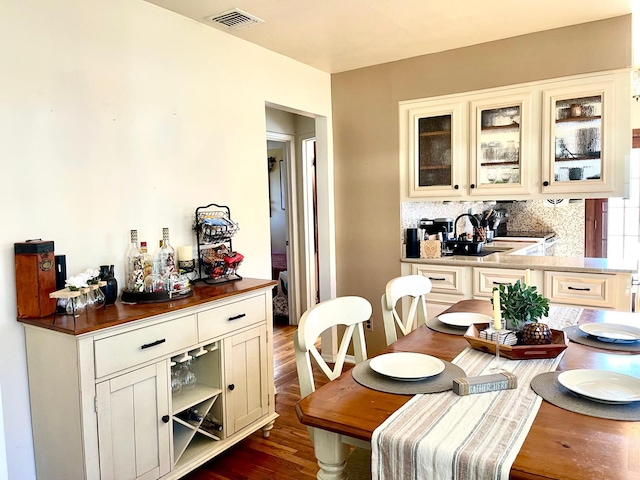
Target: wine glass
column 176, row 382
column 188, row 378
column 492, row 176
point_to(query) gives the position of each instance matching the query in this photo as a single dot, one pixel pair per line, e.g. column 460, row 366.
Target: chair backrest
column 351, row 312
column 415, row 286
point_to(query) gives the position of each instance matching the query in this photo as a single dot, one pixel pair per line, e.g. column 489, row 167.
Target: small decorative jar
column 535, row 333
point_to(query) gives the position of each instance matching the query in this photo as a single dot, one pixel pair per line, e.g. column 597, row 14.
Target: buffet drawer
column 581, row 289
column 444, row 279
column 220, row 320
column 134, row 347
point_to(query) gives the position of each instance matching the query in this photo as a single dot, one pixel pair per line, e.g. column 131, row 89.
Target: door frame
column 291, row 235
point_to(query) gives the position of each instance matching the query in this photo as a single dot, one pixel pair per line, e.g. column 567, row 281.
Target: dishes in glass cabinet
column 611, row 332
column 601, row 385
column 406, row 366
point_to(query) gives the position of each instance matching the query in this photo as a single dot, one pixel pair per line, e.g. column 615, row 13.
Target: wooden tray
column 558, row 344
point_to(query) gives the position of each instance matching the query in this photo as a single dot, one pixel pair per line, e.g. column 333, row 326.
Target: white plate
column 601, row 385
column 464, row 319
column 612, row 331
column 406, row 365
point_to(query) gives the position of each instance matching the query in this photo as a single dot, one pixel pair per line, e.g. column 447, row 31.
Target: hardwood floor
column 287, row 454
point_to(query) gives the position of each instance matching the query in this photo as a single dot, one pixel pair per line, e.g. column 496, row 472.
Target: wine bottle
column 167, row 256
column 135, row 266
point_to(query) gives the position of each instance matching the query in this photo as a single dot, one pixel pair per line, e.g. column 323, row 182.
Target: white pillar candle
column 185, row 253
column 497, row 316
column 527, row 277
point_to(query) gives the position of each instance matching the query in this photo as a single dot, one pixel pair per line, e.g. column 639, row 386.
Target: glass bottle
column 135, row 265
column 154, row 283
column 147, row 259
column 167, row 256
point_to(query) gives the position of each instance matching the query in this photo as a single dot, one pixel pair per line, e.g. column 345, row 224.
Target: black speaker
column 61, row 271
column 412, row 243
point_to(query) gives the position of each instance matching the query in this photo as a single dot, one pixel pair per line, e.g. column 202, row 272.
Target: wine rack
column 214, row 228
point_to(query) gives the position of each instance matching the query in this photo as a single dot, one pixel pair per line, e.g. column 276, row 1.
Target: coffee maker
column 437, row 225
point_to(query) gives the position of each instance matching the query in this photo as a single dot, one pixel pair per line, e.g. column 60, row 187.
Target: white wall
column 116, row 114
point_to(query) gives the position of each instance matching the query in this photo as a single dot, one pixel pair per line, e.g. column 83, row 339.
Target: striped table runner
column 445, row 436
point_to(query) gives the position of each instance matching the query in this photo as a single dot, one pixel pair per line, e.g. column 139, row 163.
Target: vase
column 110, row 290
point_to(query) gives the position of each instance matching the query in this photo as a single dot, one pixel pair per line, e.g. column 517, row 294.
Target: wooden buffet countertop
column 560, row 444
column 121, row 313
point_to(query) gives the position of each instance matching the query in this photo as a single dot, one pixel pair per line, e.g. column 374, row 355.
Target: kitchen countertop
column 511, row 259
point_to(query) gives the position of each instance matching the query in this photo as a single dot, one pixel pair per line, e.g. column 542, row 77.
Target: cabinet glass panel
column 434, row 151
column 500, row 141
column 578, row 135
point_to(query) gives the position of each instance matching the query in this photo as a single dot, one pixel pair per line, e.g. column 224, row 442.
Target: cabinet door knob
column 545, row 183
column 165, row 418
column 231, row 387
column 473, row 185
column 456, row 187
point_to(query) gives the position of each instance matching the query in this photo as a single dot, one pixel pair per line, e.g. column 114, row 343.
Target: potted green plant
column 521, row 304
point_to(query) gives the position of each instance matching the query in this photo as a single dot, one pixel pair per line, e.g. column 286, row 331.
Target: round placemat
column 578, row 336
column 547, row 386
column 364, row 375
column 438, row 326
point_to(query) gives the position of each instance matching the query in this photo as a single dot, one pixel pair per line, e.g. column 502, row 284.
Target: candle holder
column 498, row 336
column 187, row 266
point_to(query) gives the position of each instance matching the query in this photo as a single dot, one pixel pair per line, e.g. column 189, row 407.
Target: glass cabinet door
column 578, row 134
column 434, row 151
column 437, row 154
column 498, row 141
column 577, row 139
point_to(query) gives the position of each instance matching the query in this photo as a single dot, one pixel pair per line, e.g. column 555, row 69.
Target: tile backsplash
column 565, row 218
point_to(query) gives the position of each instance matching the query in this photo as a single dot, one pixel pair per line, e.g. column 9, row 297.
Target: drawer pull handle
column 437, row 279
column 238, row 316
column 586, row 289
column 153, row 344
column 501, row 283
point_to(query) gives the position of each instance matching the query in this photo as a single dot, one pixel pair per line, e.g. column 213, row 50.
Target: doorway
column 595, row 231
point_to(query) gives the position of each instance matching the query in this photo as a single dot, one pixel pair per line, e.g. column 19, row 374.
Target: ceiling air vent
column 234, row 18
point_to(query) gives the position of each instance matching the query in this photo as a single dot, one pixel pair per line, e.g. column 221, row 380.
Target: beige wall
column 365, row 115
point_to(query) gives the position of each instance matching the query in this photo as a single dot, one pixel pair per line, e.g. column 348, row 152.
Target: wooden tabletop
column 121, row 313
column 560, row 444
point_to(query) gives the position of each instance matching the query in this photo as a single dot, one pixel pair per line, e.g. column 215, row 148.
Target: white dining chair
column 414, row 286
column 351, row 312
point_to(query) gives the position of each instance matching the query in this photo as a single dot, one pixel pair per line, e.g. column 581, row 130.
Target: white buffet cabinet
column 101, row 399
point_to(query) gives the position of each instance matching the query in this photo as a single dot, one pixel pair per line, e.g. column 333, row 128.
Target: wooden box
column 35, row 278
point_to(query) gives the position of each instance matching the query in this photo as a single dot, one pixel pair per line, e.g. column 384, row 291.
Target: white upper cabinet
column 437, row 151
column 567, row 138
column 500, row 145
column 579, row 141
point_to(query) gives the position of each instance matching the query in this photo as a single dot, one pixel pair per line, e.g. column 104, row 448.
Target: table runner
column 446, row 436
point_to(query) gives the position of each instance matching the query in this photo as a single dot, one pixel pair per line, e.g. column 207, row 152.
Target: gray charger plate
column 578, row 336
column 365, row 376
column 549, row 388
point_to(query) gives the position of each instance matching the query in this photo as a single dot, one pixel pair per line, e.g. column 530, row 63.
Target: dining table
column 559, row 445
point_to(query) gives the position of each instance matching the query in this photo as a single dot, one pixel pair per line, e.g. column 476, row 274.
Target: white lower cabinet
column 152, row 398
column 134, row 425
column 606, row 291
column 246, row 387
column 450, row 284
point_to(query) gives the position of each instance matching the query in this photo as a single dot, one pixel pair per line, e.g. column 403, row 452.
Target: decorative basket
column 558, row 344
